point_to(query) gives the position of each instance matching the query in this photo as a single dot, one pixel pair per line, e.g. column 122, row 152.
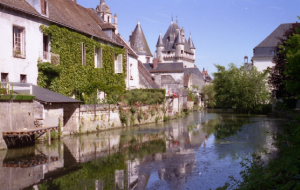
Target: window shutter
column 99, row 58
column 82, row 53
column 120, row 59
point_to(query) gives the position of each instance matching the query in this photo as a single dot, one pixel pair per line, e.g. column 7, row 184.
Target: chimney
column 154, row 63
column 74, row 1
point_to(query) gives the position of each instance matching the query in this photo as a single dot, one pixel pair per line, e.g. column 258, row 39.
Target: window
column 19, row 41
column 118, row 64
column 4, row 77
column 181, row 51
column 272, row 52
column 83, row 54
column 23, row 78
column 46, row 48
column 147, row 59
column 44, row 7
column 98, row 58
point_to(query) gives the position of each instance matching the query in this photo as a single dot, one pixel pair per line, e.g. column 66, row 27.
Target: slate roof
column 143, row 71
column 48, row 96
column 170, row 36
column 42, row 94
column 165, row 68
column 121, row 40
column 65, row 13
column 138, row 42
column 272, row 39
column 195, row 71
column 191, row 43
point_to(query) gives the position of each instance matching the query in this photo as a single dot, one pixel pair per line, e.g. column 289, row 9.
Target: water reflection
column 200, row 152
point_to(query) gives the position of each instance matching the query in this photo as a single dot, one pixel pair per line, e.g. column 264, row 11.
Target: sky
column 223, row 31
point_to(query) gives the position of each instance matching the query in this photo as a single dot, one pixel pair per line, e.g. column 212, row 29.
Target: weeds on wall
column 70, row 77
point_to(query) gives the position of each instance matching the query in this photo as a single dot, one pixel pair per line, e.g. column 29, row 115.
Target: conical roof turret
column 138, row 41
column 178, row 39
column 160, row 42
column 191, row 43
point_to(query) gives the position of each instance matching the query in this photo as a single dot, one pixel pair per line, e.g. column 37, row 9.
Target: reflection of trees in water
column 224, row 126
column 105, row 169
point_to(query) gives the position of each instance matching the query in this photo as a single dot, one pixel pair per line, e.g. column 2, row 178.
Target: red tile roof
column 66, row 13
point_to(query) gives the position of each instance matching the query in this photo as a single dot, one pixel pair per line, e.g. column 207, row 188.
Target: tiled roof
column 194, row 70
column 65, row 13
column 272, row 39
column 165, row 68
column 121, row 40
column 143, row 71
column 19, row 5
column 138, row 41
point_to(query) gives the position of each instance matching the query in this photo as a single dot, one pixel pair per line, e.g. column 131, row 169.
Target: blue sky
column 223, row 31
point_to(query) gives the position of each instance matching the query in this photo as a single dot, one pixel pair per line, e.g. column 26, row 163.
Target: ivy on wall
column 70, row 76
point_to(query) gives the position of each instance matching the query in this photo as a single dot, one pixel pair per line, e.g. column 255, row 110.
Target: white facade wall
column 133, row 74
column 143, row 59
column 262, row 63
column 33, row 47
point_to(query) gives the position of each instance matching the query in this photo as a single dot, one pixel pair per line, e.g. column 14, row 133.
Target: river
column 200, row 151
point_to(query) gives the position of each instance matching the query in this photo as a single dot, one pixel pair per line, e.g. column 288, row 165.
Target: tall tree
column 284, row 76
column 246, row 90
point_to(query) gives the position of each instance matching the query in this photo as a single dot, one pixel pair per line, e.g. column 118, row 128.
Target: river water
column 200, row 151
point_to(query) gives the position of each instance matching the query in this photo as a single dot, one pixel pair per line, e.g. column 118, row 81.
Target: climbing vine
column 70, row 76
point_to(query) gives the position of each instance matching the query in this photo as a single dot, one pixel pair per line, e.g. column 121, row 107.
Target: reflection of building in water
column 21, row 168
column 174, row 165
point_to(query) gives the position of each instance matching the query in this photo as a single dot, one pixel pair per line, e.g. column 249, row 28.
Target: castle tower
column 139, row 44
column 179, row 45
column 192, row 47
column 159, row 48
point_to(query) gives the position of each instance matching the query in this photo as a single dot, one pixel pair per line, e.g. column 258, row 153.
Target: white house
column 264, row 52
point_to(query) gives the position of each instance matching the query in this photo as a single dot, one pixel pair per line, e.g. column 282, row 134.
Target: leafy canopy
column 246, row 90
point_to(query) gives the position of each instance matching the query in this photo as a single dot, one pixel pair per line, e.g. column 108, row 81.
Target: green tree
column 246, row 90
column 209, row 94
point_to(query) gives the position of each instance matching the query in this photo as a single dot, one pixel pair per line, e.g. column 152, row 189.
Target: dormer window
column 44, row 7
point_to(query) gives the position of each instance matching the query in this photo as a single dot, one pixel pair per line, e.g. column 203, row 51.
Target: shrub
column 133, row 109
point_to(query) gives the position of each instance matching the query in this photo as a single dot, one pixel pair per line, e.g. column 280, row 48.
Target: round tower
column 159, row 48
column 192, row 47
column 179, row 45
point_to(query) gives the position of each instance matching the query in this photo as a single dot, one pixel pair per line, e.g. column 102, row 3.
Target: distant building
column 247, row 65
column 174, row 47
column 264, row 52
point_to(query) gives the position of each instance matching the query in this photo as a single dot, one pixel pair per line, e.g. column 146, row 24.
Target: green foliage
column 166, row 119
column 245, row 90
column 88, row 173
column 145, row 96
column 132, row 120
column 140, row 115
column 192, row 96
column 133, row 109
column 209, row 94
column 123, row 117
column 291, row 50
column 152, row 112
column 70, row 76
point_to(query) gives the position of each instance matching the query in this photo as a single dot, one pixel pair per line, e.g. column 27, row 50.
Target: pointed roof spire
column 138, row 41
column 160, row 42
column 178, row 39
column 191, row 43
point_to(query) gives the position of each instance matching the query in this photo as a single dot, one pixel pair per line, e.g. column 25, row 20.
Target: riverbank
column 282, row 172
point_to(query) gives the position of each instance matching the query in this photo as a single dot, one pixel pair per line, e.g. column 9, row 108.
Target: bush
column 133, row 109
column 145, row 96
